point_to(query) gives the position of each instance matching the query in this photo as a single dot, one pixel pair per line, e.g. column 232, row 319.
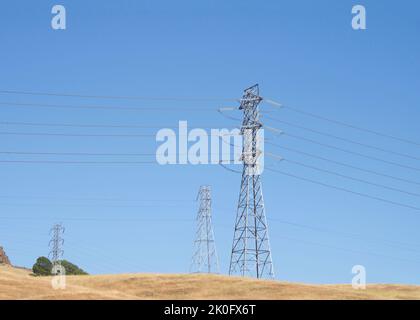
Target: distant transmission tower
column 205, row 256
column 251, row 254
column 56, row 243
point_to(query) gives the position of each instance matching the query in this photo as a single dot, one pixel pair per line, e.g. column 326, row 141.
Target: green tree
column 42, row 267
column 72, row 269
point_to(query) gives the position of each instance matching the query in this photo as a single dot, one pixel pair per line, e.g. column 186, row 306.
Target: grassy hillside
column 20, row 284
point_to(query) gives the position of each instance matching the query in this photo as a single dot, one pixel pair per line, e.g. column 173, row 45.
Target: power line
column 96, row 135
column 76, row 153
column 112, row 97
column 345, row 139
column 222, row 111
column 107, row 262
column 84, row 205
column 93, row 198
column 75, row 134
column 88, row 250
column 87, row 107
column 350, row 178
column 102, row 219
column 406, row 246
column 104, row 154
column 352, row 152
column 223, row 165
column 350, row 250
column 344, row 164
column 344, row 189
column 77, row 162
column 341, row 123
column 293, row 240
column 73, row 125
column 170, row 220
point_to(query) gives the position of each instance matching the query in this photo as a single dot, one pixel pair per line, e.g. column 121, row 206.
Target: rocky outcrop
column 4, row 259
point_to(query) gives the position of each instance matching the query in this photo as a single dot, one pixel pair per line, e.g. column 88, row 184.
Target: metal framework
column 56, row 243
column 251, row 254
column 205, row 256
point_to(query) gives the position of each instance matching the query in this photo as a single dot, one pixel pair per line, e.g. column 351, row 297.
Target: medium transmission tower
column 251, row 254
column 205, row 256
column 56, row 243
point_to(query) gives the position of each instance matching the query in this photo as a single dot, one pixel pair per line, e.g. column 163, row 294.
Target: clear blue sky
column 139, row 218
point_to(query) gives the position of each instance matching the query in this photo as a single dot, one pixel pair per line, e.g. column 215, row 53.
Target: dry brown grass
column 20, row 284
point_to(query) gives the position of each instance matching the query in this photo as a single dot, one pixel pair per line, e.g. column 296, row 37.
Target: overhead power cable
column 407, row 246
column 342, row 123
column 94, row 135
column 75, row 153
column 350, row 250
column 104, row 219
column 75, row 134
column 344, row 189
column 343, row 164
column 104, row 154
column 349, row 177
column 351, row 152
column 113, row 97
column 81, row 125
column 77, row 162
column 344, row 139
column 94, row 198
column 87, row 107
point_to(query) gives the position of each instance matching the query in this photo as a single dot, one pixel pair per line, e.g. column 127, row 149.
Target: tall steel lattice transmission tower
column 56, row 243
column 251, row 253
column 205, row 256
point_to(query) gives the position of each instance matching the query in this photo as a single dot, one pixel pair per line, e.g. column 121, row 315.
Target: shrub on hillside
column 72, row 269
column 43, row 267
